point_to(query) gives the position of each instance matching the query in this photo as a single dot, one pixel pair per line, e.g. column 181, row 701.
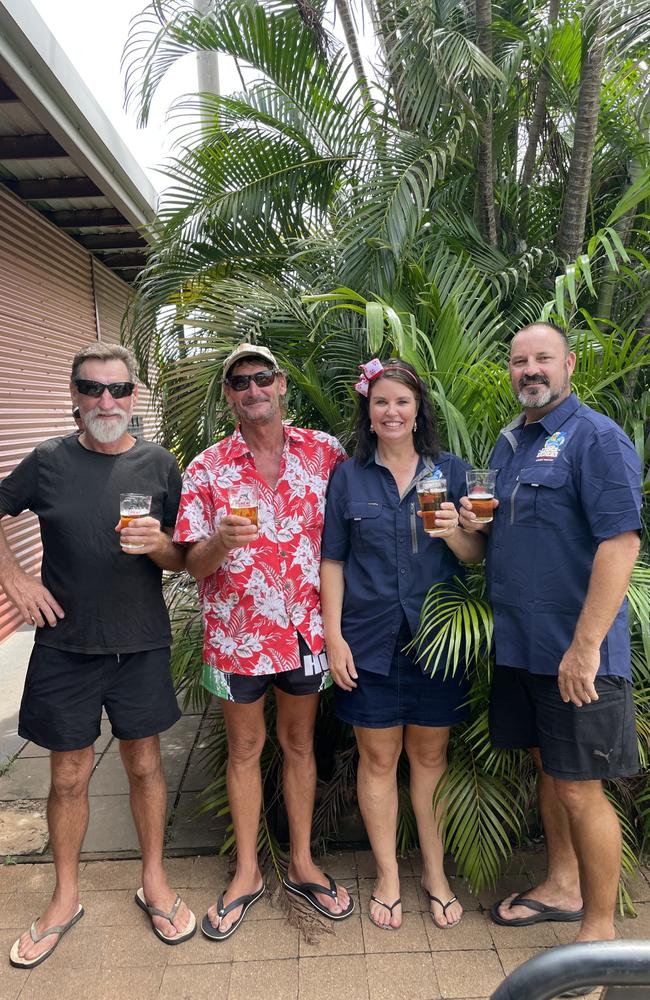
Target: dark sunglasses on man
column 89, row 387
column 261, row 379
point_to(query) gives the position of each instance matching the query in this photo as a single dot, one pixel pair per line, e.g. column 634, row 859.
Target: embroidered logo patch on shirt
column 551, row 447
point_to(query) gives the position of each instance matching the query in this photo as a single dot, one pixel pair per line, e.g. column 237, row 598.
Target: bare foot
column 443, row 913
column 543, row 893
column 309, row 872
column 57, row 913
column 241, row 885
column 382, row 910
column 159, row 894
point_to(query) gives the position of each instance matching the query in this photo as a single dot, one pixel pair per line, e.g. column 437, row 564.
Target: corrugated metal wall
column 47, row 312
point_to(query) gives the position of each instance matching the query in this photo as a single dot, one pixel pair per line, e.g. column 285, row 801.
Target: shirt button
column 402, row 571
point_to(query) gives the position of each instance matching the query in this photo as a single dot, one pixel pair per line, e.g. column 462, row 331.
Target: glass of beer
column 480, row 493
column 243, row 501
column 432, row 493
column 133, row 506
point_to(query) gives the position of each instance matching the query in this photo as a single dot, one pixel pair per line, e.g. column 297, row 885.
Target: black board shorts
column 585, row 743
column 65, row 693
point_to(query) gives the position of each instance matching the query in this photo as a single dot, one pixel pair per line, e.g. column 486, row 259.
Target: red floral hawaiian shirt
column 262, row 593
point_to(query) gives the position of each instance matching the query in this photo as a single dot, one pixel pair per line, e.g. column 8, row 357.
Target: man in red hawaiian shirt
column 259, row 589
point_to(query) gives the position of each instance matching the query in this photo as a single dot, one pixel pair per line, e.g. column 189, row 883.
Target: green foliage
column 333, row 219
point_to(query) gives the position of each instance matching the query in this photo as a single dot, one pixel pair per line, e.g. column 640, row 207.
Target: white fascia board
column 41, row 75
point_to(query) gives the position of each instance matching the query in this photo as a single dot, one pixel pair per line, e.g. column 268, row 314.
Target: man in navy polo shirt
column 560, row 553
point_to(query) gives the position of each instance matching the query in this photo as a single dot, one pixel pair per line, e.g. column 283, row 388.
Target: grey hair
column 99, row 351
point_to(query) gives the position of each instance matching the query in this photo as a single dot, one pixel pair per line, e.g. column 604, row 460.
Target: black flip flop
column 445, row 907
column 244, row 901
column 387, row 906
column 543, row 913
column 308, row 891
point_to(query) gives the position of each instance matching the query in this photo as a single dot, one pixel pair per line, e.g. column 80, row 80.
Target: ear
column 571, row 362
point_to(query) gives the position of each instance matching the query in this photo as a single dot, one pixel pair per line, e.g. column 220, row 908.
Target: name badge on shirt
column 551, row 447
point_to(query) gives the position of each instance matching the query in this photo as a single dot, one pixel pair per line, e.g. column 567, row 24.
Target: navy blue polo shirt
column 389, row 561
column 565, row 484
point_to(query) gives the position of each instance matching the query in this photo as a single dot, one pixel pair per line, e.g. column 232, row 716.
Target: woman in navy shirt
column 377, row 565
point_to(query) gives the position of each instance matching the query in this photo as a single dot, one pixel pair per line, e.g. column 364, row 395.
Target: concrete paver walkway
column 112, row 954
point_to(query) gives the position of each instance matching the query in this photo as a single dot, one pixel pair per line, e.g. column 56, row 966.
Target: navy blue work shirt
column 389, row 561
column 565, row 484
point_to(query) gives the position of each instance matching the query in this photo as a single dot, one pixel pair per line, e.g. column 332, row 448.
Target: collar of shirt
column 550, row 422
column 237, row 447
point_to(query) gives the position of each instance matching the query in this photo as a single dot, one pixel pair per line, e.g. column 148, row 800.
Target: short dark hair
column 425, row 438
column 100, row 351
column 549, row 326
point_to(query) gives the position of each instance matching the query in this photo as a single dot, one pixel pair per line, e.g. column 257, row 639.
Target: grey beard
column 104, row 432
column 543, row 399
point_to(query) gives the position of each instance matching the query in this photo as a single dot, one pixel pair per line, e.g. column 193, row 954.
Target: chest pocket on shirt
column 542, row 496
column 364, row 517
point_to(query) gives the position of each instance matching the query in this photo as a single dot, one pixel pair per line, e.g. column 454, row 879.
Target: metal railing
column 597, row 963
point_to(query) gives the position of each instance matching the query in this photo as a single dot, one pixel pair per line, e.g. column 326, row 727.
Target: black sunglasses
column 88, row 387
column 261, row 380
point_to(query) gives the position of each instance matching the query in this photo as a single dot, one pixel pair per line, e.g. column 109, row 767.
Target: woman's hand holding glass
column 341, row 663
column 446, row 520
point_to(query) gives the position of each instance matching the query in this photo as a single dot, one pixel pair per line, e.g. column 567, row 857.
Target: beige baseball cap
column 247, row 351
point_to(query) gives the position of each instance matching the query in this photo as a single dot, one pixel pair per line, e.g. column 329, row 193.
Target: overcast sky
column 92, row 34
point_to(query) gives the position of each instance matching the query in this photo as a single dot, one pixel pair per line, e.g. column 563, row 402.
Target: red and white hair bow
column 371, row 370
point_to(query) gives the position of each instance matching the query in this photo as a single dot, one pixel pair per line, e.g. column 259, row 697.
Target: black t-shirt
column 113, row 601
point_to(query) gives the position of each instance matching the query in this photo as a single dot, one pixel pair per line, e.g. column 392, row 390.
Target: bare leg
column 67, row 817
column 561, row 887
column 427, row 753
column 246, row 735
column 596, row 836
column 379, row 751
column 148, row 798
column 295, row 727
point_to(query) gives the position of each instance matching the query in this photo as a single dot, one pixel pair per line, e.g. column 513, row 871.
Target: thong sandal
column 36, row 936
column 387, row 906
column 308, row 891
column 153, row 911
column 445, row 907
column 214, row 933
column 541, row 913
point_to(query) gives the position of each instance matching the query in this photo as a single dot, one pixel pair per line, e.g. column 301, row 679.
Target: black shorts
column 65, row 692
column 585, row 743
column 311, row 677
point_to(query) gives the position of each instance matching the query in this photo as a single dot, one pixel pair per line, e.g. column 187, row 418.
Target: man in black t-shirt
column 102, row 632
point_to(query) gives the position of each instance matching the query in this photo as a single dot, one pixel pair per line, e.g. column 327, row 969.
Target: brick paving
column 112, row 954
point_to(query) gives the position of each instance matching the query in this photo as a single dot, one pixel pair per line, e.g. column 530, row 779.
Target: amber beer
column 480, row 493
column 432, row 493
column 243, row 501
column 250, row 512
column 132, row 507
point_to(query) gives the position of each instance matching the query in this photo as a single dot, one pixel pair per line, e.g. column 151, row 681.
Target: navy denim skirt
column 406, row 696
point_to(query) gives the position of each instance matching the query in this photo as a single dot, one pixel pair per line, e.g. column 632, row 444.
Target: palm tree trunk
column 383, row 24
column 576, row 197
column 486, row 211
column 535, row 131
column 343, row 10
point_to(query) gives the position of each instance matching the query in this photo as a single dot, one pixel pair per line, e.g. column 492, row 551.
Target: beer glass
column 243, row 502
column 480, row 493
column 432, row 493
column 133, row 506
